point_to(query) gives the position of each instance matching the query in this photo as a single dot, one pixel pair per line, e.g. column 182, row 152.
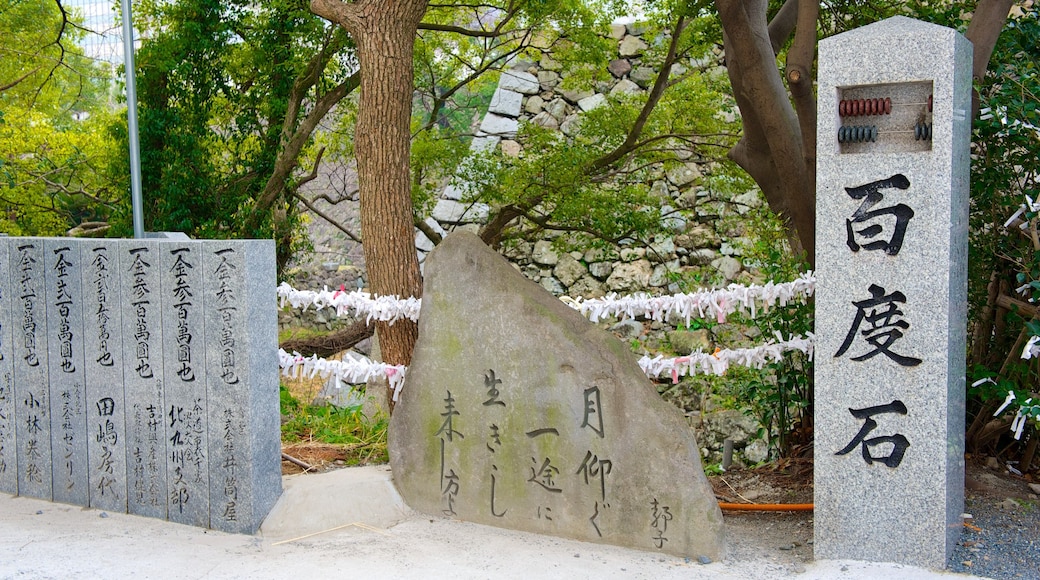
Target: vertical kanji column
column 891, row 239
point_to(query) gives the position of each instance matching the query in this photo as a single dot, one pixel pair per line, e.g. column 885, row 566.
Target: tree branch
column 784, row 21
column 799, row 79
column 983, row 31
column 656, row 92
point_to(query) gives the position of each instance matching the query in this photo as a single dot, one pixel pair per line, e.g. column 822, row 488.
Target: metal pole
column 131, row 121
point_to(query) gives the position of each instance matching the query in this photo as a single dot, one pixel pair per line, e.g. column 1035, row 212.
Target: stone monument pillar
column 891, row 253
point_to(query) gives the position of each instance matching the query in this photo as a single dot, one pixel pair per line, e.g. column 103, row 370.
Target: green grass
column 363, row 438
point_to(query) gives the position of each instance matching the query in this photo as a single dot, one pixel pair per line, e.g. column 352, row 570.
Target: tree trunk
column 385, row 36
column 772, row 149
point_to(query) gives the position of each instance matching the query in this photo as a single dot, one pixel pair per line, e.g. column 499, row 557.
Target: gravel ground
column 1005, row 540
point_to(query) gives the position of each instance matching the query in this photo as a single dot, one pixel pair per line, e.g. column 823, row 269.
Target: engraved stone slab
column 31, row 389
column 891, row 257
column 241, row 345
column 103, row 374
column 519, row 413
column 65, row 367
column 184, row 367
column 8, row 445
column 141, row 302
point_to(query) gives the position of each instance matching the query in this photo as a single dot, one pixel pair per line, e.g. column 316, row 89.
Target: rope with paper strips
column 1028, row 212
column 717, row 304
column 353, row 369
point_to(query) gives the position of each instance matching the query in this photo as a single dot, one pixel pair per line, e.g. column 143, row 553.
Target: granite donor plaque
column 103, row 365
column 8, row 459
column 519, row 413
column 32, row 393
column 241, row 344
column 141, row 376
column 891, row 259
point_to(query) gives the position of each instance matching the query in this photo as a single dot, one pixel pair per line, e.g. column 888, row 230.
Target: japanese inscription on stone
column 891, row 256
column 143, row 379
column 560, row 433
column 32, row 394
column 68, row 407
column 103, row 371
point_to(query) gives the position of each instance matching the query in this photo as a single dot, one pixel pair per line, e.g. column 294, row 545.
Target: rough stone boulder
column 519, row 413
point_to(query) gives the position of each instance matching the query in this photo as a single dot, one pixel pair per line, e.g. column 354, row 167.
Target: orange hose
column 767, row 507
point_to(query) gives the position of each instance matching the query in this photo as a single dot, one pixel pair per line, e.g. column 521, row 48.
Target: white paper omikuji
column 716, row 304
column 719, row 362
column 353, row 369
column 356, row 303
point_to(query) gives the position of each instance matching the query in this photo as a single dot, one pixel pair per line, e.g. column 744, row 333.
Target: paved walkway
column 349, row 523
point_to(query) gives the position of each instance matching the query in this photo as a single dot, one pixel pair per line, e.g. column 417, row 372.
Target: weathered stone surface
column 454, row 212
column 889, row 393
column 630, row 276
column 625, row 87
column 684, row 174
column 139, row 265
column 241, row 345
column 642, row 75
column 534, row 105
column 575, row 95
column 557, row 108
column 544, row 253
column 546, row 120
column 632, row 46
column 506, row 102
column 499, row 125
column 601, row 270
column 571, row 125
column 8, row 445
column 587, row 287
column 185, row 414
column 619, row 67
column 685, row 342
column 65, row 368
column 727, row 266
column 103, row 369
column 484, row 143
column 568, row 270
column 521, row 82
column 517, row 412
column 548, row 80
column 31, row 391
column 511, row 148
column 549, row 63
column 595, row 101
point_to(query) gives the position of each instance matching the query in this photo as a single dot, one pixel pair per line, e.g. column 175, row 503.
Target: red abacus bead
column 859, row 107
column 873, row 106
column 841, row 108
column 929, row 103
column 888, row 105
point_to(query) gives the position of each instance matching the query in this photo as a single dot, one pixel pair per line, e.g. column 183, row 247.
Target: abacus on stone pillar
column 891, row 262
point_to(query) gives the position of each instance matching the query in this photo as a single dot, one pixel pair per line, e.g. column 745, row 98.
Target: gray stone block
column 241, row 345
column 31, row 390
column 103, row 374
column 519, row 81
column 506, row 102
column 891, row 296
column 553, row 430
column 8, row 445
column 498, row 125
column 63, row 271
column 141, row 303
column 184, row 369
